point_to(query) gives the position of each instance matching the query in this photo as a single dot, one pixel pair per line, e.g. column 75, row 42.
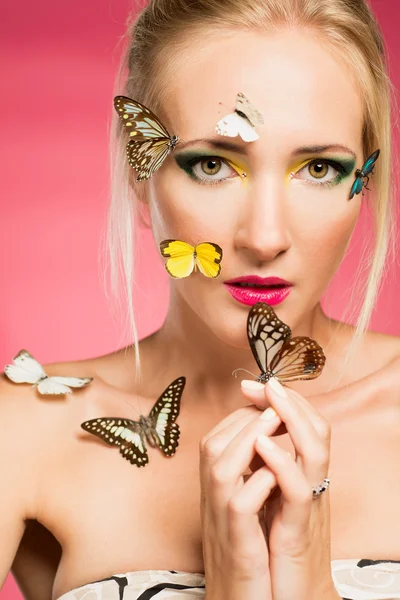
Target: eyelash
column 326, row 161
column 203, row 181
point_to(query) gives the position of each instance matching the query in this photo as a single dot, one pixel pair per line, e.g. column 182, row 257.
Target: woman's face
column 270, row 223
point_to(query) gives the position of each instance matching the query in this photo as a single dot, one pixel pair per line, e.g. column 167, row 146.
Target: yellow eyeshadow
column 239, row 169
column 294, row 168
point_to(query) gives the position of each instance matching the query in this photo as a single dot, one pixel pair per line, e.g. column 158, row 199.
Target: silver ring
column 319, row 489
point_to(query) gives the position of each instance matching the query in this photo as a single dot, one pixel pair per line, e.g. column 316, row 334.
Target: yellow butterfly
column 183, row 258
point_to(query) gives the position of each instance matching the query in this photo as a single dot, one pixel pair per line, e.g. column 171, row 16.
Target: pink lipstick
column 252, row 288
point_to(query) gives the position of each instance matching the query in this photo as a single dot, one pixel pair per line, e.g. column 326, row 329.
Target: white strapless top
column 354, row 579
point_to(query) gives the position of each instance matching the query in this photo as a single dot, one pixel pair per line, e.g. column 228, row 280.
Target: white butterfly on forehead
column 241, row 122
column 26, row 369
column 277, row 353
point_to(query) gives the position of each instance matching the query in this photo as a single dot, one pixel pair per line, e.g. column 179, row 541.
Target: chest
column 365, row 496
column 147, row 518
column 364, row 488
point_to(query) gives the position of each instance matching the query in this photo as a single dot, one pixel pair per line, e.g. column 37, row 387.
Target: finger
column 226, row 472
column 255, row 394
column 251, row 497
column 253, row 391
column 295, row 488
column 310, row 442
column 309, row 432
column 214, row 442
column 258, row 394
column 248, row 502
column 241, row 417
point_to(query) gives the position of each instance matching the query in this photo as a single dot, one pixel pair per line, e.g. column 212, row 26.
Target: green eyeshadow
column 185, row 160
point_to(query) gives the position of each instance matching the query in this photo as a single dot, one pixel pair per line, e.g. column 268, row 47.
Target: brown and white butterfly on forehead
column 241, row 122
column 150, row 141
column 159, row 428
column 277, row 353
column 26, row 369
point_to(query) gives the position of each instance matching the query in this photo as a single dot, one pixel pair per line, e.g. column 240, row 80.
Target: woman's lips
column 253, row 289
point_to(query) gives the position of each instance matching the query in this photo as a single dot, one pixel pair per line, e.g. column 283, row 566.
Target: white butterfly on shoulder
column 241, row 122
column 26, row 369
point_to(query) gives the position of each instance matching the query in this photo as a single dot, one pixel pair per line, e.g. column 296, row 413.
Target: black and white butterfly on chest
column 158, row 429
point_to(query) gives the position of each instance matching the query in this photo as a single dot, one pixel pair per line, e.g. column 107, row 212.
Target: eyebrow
column 319, row 149
column 240, row 147
column 216, row 142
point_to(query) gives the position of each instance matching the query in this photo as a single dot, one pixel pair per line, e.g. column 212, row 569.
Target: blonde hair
column 165, row 27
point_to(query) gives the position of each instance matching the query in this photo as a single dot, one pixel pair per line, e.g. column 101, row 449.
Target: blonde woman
column 231, row 515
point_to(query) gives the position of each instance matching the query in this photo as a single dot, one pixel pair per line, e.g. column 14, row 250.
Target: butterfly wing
column 147, row 156
column 356, row 187
column 75, row 382
column 369, row 163
column 233, row 125
column 208, row 259
column 164, row 414
column 243, row 105
column 266, row 334
column 140, row 122
column 299, row 358
column 180, row 256
column 124, row 433
column 61, row 385
column 49, row 387
column 25, row 369
column 150, row 141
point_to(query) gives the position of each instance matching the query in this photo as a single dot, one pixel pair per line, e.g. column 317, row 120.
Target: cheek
column 326, row 235
column 182, row 211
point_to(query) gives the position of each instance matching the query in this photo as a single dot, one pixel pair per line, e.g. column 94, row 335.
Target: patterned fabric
column 143, row 585
column 367, row 579
column 354, row 579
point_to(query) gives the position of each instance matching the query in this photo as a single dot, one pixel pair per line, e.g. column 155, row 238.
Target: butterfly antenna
column 129, row 404
column 246, row 371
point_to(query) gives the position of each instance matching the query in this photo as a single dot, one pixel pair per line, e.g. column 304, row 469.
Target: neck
column 185, row 345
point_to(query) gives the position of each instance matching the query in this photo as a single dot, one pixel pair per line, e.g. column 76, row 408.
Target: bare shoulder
column 50, row 422
column 106, row 374
column 380, row 357
column 384, row 346
column 375, row 391
column 36, row 429
column 368, row 383
column 382, row 353
column 115, row 369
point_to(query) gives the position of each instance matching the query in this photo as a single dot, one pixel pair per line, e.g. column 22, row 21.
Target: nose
column 263, row 224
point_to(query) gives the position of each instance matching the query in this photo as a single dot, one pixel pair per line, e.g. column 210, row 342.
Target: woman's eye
column 212, row 169
column 319, row 171
column 211, row 166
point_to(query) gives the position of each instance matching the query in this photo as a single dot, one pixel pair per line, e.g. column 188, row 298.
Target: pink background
column 56, row 105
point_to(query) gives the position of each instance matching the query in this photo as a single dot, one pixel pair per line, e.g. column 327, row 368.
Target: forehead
column 301, row 86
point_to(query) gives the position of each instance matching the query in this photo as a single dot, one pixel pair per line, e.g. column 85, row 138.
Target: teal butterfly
column 363, row 173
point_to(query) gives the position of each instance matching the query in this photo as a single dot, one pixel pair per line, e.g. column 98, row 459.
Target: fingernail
column 268, row 414
column 277, row 388
column 264, row 441
column 252, row 386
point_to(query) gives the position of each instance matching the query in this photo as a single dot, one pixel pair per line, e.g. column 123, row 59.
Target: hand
column 298, row 525
column 234, row 544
